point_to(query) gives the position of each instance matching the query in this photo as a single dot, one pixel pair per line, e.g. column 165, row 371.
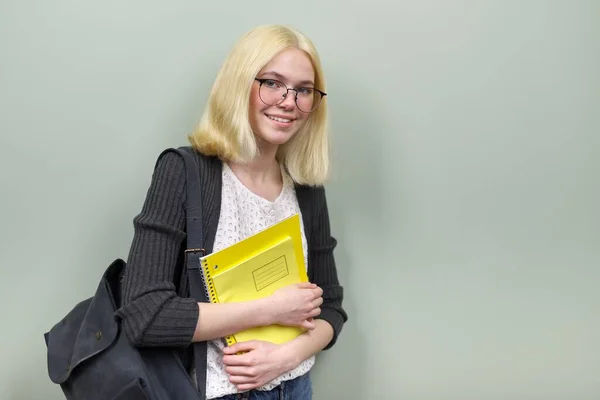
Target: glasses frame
column 263, row 80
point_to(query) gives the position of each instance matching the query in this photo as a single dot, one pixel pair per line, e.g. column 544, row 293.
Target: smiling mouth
column 279, row 119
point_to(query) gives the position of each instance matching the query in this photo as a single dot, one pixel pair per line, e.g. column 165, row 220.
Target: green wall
column 465, row 194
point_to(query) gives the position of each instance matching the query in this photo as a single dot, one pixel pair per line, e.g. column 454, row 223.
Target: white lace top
column 243, row 214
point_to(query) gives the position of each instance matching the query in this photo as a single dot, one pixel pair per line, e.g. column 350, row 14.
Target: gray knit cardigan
column 156, row 308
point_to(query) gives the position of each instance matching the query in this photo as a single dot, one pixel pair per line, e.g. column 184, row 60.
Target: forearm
column 219, row 320
column 309, row 343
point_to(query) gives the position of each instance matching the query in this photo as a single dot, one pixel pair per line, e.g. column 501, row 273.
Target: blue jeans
column 299, row 388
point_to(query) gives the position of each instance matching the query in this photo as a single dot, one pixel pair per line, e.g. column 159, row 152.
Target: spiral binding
column 208, row 284
column 209, row 289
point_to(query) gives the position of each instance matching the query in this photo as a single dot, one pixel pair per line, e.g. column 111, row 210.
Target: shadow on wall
column 354, row 198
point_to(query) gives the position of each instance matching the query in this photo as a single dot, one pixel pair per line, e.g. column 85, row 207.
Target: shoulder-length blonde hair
column 225, row 130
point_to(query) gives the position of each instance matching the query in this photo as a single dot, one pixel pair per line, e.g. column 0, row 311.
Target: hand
column 260, row 363
column 297, row 304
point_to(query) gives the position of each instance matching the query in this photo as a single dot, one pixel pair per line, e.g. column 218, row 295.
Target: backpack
column 88, row 353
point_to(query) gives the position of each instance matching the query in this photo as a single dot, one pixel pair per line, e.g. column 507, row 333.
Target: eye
column 305, row 91
column 271, row 83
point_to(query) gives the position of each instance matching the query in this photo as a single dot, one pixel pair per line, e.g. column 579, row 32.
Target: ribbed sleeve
column 152, row 314
column 322, row 266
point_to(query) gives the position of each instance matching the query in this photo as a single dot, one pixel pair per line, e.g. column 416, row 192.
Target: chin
column 273, row 134
column 276, row 139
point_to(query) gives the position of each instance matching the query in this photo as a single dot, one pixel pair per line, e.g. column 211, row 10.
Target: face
column 276, row 124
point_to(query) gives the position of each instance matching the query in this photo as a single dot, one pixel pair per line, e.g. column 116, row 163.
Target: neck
column 262, row 169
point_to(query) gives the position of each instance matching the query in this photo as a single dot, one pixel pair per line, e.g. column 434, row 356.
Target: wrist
column 290, row 356
column 265, row 314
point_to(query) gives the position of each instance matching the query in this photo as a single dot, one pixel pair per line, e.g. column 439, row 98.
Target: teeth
column 279, row 119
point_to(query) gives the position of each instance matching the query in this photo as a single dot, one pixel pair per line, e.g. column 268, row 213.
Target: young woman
column 263, row 147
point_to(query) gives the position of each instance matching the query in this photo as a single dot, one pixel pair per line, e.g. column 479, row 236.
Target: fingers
column 239, row 360
column 243, row 387
column 315, row 312
column 240, row 371
column 317, row 302
column 306, row 285
column 308, row 324
column 244, row 382
column 241, row 379
column 317, row 292
column 250, row 353
column 241, row 347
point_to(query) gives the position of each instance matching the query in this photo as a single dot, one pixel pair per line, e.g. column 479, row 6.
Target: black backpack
column 89, row 355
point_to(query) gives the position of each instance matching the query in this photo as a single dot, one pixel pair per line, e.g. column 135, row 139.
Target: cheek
column 255, row 110
column 256, row 104
column 302, row 119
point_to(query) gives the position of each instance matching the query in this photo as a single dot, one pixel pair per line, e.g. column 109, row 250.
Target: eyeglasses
column 273, row 92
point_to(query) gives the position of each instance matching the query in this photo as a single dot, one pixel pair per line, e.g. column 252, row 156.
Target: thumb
column 241, row 347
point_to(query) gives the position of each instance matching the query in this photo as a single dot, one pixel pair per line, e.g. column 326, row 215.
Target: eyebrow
column 283, row 78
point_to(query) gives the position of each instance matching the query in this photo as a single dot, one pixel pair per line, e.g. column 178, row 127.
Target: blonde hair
column 224, row 129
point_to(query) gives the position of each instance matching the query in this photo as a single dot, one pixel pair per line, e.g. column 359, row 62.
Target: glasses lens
column 272, row 92
column 308, row 99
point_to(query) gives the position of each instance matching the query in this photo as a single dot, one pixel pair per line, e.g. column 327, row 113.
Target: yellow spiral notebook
column 255, row 268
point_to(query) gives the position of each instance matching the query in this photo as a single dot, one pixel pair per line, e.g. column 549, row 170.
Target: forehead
column 291, row 64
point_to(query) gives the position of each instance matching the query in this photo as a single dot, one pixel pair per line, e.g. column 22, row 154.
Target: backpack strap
column 194, row 250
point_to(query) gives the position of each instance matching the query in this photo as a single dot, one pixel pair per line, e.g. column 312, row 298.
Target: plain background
column 465, row 195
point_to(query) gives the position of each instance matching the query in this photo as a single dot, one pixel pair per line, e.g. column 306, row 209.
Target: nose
column 289, row 101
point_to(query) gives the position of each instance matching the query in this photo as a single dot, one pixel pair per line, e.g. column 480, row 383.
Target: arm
column 294, row 305
column 261, row 362
column 322, row 267
column 152, row 313
column 308, row 344
column 228, row 318
column 323, row 272
column 264, row 361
